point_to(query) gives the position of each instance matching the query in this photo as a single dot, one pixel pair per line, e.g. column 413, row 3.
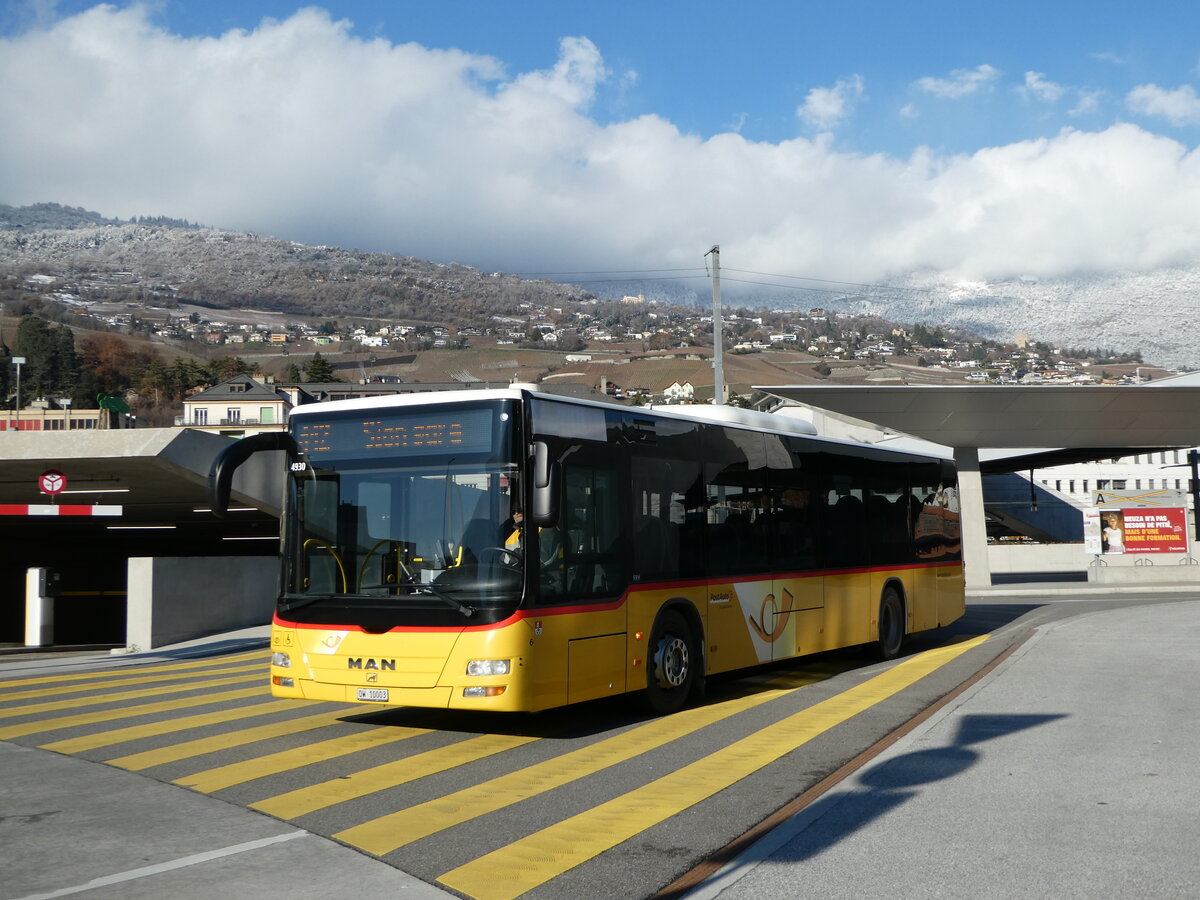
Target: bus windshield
column 406, row 510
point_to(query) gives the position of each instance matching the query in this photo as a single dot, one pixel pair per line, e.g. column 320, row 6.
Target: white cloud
column 1088, row 103
column 301, row 129
column 1036, row 87
column 909, row 111
column 1180, row 106
column 825, row 108
column 961, row 83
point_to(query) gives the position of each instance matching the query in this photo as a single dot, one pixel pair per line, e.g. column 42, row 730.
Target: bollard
column 39, row 609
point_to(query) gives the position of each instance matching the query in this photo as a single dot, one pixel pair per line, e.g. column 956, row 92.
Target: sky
column 856, row 141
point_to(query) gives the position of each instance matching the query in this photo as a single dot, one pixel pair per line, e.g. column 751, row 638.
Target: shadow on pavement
column 889, row 784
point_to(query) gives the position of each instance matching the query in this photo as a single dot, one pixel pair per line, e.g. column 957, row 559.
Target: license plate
column 378, row 695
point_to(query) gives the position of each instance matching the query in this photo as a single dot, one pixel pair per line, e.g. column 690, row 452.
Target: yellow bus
column 515, row 550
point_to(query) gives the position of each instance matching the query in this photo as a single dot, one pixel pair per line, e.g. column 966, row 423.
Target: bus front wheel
column 891, row 624
column 671, row 668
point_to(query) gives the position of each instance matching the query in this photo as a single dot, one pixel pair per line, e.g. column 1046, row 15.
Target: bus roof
column 726, row 415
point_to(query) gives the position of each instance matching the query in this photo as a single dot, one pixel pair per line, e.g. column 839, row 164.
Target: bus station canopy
column 987, row 427
column 1086, row 418
column 157, row 475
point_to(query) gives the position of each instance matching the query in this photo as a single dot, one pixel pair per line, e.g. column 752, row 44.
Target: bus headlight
column 281, row 660
column 488, row 667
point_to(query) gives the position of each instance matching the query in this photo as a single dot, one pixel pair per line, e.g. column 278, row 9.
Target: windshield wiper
column 298, row 601
column 429, row 588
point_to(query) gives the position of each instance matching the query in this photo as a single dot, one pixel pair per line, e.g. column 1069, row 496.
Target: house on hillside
column 676, row 392
column 237, row 407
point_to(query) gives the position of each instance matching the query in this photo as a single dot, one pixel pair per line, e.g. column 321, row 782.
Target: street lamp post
column 18, row 361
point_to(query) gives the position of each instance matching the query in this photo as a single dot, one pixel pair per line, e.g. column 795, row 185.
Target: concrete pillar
column 39, row 609
column 977, row 570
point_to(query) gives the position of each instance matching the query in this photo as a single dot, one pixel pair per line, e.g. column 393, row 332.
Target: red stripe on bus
column 544, row 612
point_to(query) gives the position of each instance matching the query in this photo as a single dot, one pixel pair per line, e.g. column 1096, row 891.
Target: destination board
column 397, row 433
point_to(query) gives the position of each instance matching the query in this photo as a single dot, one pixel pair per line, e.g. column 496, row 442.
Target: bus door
column 924, row 524
column 849, row 604
column 793, row 523
column 950, row 577
column 735, row 558
column 579, row 622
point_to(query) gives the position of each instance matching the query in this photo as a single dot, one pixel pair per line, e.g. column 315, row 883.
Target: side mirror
column 547, row 476
column 220, row 476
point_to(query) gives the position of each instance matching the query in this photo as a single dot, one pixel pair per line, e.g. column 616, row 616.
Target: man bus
column 514, row 550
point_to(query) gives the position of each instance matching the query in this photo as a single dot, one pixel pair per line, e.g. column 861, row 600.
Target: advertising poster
column 1153, row 530
column 1112, row 531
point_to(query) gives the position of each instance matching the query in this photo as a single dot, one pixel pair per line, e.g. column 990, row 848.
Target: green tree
column 319, row 370
column 225, row 367
column 51, row 365
column 185, row 375
column 6, row 376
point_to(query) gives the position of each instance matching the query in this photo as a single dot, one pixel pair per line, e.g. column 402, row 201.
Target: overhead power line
column 650, row 275
column 888, row 287
column 699, row 270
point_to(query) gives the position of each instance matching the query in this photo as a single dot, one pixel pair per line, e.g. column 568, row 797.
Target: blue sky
column 711, row 67
column 855, row 140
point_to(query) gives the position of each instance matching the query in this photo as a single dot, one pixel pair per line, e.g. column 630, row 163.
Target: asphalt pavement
column 70, row 827
column 1067, row 771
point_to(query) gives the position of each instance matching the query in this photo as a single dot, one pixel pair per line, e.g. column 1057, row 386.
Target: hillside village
column 271, row 307
column 634, row 347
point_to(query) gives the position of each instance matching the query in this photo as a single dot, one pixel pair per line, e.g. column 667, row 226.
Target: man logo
column 372, row 677
column 379, row 665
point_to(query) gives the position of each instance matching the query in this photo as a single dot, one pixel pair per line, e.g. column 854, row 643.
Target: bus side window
column 847, row 523
column 589, row 562
column 665, row 533
column 794, row 525
column 735, row 476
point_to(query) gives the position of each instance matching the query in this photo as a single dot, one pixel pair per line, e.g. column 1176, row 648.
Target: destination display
column 399, row 433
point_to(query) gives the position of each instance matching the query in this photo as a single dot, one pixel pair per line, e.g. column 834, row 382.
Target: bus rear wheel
column 891, row 624
column 671, row 668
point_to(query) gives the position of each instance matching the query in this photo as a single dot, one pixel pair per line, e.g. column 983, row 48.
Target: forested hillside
column 164, row 264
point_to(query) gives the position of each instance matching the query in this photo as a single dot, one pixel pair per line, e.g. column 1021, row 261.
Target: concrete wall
column 1028, row 559
column 1165, row 568
column 1006, row 559
column 174, row 599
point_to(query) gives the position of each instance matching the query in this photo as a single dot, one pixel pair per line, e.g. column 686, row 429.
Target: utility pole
column 1193, row 458
column 718, row 358
column 18, row 361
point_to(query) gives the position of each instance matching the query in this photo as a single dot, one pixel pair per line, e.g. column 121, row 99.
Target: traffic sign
column 52, row 481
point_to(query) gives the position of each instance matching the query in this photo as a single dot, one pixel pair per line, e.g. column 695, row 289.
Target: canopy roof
column 1068, row 416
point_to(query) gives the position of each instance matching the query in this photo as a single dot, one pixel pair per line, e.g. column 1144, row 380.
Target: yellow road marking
column 200, row 746
column 401, row 771
column 385, row 834
column 124, row 682
column 259, row 654
column 524, row 865
column 125, row 712
column 285, row 760
column 121, row 696
column 167, row 726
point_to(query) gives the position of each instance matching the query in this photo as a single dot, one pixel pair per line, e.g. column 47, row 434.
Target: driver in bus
column 550, row 548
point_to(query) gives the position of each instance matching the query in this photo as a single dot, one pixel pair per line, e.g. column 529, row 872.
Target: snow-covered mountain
column 1154, row 312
